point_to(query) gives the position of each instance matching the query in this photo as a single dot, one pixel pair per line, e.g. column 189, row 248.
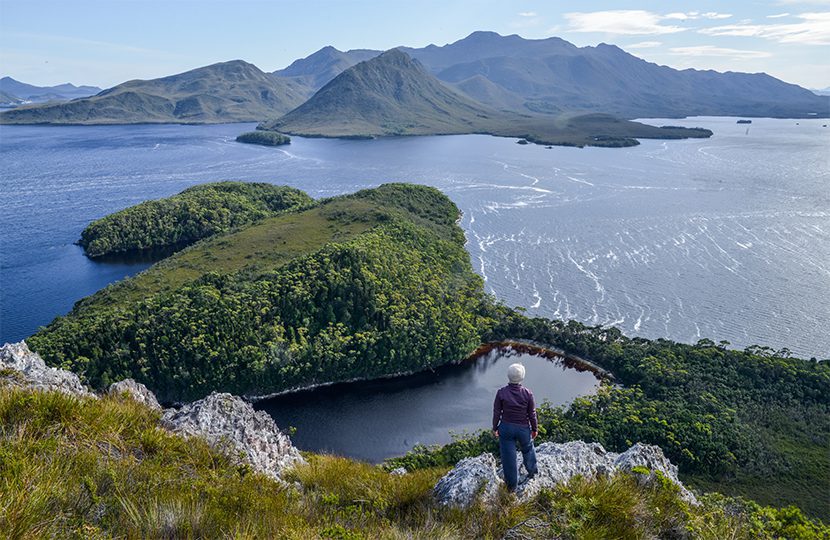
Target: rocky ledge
column 21, row 367
column 231, row 424
column 481, row 476
column 227, row 422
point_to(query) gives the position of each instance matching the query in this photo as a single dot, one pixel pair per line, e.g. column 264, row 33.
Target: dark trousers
column 509, row 435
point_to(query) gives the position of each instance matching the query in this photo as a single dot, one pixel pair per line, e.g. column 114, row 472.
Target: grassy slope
column 88, row 469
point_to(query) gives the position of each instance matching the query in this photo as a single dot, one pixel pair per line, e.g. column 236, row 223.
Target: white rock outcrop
column 231, row 424
column 469, row 479
column 557, row 463
column 32, row 371
column 136, row 391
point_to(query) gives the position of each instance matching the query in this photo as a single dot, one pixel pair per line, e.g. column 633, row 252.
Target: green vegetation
column 83, row 468
column 193, row 214
column 366, row 285
column 265, row 138
column 753, row 422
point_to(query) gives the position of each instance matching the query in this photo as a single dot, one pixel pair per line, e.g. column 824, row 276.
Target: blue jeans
column 509, row 435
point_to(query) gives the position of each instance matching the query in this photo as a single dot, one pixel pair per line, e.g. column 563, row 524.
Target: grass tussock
column 86, row 468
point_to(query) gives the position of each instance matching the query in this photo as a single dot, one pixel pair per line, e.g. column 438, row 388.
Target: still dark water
column 384, row 418
column 724, row 238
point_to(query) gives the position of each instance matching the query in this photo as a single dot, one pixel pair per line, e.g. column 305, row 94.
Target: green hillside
column 193, row 214
column 233, row 91
column 364, row 285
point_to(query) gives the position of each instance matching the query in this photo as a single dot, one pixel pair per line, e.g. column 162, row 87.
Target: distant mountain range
column 554, row 76
column 16, row 91
column 392, row 94
column 500, row 73
column 233, row 91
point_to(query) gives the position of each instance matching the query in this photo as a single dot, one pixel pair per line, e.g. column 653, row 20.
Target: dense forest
column 193, row 214
column 399, row 296
column 378, row 283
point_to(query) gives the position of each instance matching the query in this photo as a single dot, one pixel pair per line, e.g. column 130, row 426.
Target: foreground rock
column 30, row 371
column 232, row 425
column 136, row 391
column 481, row 476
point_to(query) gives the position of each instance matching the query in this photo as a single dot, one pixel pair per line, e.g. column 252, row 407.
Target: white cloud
column 644, row 45
column 778, row 15
column 711, row 50
column 624, row 22
column 527, row 14
column 692, row 15
column 813, row 29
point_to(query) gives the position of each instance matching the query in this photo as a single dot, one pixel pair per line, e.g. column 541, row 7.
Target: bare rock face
column 136, row 391
column 470, row 478
column 557, row 463
column 232, row 425
column 32, row 372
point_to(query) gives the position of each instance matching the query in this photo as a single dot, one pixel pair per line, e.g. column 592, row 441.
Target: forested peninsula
column 193, row 214
column 378, row 283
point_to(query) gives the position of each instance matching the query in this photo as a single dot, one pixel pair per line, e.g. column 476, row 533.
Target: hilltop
column 392, row 94
column 234, row 91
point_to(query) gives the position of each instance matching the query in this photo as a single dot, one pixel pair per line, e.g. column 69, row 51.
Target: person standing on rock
column 514, row 420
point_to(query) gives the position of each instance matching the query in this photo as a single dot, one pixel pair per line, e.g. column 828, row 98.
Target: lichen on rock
column 32, row 372
column 557, row 463
column 136, row 391
column 230, row 424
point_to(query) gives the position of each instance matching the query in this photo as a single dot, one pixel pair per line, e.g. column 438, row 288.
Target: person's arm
column 497, row 406
column 531, row 414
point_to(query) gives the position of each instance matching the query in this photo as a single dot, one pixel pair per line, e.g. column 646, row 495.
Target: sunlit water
column 379, row 419
column 724, row 238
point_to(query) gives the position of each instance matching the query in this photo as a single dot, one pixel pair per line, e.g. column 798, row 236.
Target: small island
column 265, row 138
column 744, row 121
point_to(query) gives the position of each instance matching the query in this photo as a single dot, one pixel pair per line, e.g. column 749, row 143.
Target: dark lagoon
column 378, row 419
column 722, row 238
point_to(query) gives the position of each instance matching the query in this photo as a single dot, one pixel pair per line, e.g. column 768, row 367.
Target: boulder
column 400, row 471
column 230, row 424
column 470, row 478
column 32, row 372
column 136, row 391
column 557, row 463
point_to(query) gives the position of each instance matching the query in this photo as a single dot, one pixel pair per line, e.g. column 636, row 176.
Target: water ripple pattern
column 723, row 238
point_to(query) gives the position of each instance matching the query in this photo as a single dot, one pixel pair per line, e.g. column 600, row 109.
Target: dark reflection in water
column 378, row 419
column 144, row 256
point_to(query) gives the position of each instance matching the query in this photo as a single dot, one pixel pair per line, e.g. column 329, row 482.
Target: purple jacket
column 514, row 405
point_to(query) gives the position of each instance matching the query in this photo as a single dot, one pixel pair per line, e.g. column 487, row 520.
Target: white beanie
column 516, row 373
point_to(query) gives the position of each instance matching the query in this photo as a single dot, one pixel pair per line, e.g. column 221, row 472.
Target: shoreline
column 523, row 346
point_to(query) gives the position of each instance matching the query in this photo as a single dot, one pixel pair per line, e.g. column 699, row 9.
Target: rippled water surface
column 725, row 238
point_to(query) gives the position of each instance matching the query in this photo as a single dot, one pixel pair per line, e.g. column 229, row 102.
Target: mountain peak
column 390, row 94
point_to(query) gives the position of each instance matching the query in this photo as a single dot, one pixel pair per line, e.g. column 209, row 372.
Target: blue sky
column 107, row 42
